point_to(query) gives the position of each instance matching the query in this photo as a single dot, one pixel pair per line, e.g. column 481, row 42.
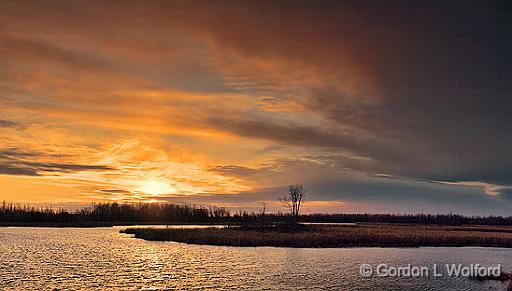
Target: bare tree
column 263, row 210
column 293, row 199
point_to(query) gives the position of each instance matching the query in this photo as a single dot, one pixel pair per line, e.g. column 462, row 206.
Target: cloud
column 115, row 191
column 239, row 171
column 36, row 50
column 8, row 123
column 11, row 124
column 15, row 170
column 431, row 112
column 14, row 152
column 13, row 161
column 506, row 194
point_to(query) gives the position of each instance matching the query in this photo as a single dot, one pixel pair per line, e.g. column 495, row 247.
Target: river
column 92, row 258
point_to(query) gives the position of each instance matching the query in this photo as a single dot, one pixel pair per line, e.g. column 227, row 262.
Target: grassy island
column 327, row 236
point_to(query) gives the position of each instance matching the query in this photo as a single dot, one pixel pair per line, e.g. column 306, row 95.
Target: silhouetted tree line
column 116, row 213
column 439, row 219
column 113, row 213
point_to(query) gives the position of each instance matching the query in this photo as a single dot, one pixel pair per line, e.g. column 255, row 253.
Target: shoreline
column 97, row 224
column 361, row 235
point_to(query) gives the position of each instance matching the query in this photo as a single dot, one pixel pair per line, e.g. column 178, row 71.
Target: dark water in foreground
column 73, row 258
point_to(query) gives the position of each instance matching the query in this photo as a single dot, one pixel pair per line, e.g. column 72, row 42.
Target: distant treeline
column 157, row 213
column 439, row 219
column 112, row 213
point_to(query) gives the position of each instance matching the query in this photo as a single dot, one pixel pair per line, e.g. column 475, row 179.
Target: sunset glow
column 219, row 104
column 156, row 188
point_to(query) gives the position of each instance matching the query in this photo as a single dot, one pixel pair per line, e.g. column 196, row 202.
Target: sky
column 374, row 106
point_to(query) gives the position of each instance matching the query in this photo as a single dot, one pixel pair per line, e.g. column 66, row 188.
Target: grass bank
column 323, row 236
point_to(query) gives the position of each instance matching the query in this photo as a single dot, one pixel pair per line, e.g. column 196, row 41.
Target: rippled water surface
column 73, row 258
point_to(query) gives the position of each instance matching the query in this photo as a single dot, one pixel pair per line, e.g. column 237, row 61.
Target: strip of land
column 336, row 236
column 57, row 224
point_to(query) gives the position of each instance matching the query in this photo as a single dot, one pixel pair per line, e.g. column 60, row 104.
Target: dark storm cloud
column 308, row 136
column 290, row 133
column 444, row 110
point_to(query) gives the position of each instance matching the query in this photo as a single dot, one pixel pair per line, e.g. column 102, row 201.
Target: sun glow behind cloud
column 128, row 170
column 144, row 172
column 156, row 188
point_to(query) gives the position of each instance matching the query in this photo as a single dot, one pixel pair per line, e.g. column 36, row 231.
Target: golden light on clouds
column 231, row 102
column 156, row 188
column 144, row 172
column 130, row 170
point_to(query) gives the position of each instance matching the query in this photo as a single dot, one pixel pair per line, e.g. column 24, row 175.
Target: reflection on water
column 72, row 258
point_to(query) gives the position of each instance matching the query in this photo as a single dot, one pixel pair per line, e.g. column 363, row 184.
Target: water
column 73, row 258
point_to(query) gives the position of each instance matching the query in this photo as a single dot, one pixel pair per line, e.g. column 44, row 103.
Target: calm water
column 45, row 258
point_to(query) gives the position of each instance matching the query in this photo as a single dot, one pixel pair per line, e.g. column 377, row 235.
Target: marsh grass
column 322, row 236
